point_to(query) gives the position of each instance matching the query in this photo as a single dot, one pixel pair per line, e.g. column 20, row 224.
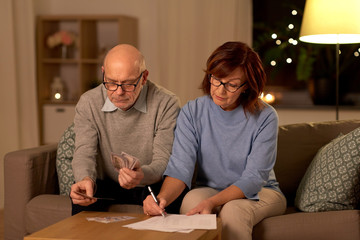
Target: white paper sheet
column 176, row 223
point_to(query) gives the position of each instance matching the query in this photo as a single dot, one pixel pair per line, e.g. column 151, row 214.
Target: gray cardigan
column 146, row 134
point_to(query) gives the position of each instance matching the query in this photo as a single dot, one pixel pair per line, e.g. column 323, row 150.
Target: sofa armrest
column 27, row 173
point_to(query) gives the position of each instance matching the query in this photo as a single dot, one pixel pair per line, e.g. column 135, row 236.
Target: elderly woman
column 231, row 135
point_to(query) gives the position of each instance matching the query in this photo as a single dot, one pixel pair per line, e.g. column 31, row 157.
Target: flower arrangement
column 61, row 37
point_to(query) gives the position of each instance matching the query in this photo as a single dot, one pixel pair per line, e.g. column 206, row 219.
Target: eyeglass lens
column 228, row 86
column 125, row 87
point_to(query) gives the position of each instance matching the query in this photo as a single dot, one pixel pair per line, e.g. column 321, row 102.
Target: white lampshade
column 331, row 21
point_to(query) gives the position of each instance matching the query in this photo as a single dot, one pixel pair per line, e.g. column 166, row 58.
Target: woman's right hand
column 151, row 208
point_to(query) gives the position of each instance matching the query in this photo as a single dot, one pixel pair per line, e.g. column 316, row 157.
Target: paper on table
column 176, row 223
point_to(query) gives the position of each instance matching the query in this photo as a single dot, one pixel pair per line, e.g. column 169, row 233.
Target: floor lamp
column 331, row 22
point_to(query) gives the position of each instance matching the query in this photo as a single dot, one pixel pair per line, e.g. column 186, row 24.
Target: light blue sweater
column 231, row 148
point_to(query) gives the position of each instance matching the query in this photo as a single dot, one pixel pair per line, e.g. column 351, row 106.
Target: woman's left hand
column 204, row 207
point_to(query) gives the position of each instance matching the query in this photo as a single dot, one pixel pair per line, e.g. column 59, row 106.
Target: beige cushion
column 342, row 225
column 46, row 209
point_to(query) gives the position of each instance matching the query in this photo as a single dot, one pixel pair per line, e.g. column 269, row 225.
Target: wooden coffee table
column 77, row 227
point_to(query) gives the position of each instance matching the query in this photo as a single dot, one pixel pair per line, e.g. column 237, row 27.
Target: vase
column 64, row 51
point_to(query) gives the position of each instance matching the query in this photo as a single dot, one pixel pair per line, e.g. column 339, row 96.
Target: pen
column 157, row 202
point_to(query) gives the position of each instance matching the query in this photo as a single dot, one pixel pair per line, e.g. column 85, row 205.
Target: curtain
column 188, row 32
column 18, row 72
column 18, row 124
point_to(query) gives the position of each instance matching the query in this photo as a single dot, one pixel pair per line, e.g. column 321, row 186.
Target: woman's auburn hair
column 229, row 56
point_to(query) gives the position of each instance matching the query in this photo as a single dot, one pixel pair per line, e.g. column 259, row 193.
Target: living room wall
column 176, row 37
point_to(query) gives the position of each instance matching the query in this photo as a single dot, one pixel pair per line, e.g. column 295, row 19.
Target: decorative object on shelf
column 331, row 22
column 63, row 38
column 64, row 51
column 57, row 90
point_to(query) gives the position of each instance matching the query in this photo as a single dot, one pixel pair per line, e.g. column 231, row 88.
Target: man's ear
column 145, row 76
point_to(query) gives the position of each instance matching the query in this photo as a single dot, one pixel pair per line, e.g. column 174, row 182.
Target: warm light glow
column 273, row 63
column 57, row 96
column 294, row 12
column 291, row 26
column 278, row 42
column 295, row 42
column 356, row 54
column 268, row 98
column 274, row 36
column 289, row 60
column 331, row 21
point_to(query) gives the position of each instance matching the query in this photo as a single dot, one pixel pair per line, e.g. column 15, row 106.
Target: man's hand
column 85, row 186
column 129, row 179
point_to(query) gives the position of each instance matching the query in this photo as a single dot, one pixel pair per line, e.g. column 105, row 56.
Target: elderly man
column 127, row 113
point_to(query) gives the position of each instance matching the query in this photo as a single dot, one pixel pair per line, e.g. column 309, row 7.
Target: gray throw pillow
column 332, row 180
column 64, row 158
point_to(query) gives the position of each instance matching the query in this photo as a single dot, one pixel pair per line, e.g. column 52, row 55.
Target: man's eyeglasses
column 231, row 87
column 126, row 87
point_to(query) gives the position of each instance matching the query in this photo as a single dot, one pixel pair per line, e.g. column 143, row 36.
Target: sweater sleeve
column 163, row 139
column 86, row 142
column 184, row 153
column 261, row 159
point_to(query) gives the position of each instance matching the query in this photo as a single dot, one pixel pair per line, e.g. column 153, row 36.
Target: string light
column 274, row 36
column 278, row 42
column 273, row 63
column 294, row 12
column 291, row 26
column 289, row 60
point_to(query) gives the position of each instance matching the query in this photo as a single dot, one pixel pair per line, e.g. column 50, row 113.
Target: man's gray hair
column 141, row 63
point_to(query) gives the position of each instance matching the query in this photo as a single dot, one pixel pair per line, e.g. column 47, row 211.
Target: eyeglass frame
column 120, row 85
column 224, row 84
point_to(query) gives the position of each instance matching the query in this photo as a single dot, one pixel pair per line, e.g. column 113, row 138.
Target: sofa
column 32, row 199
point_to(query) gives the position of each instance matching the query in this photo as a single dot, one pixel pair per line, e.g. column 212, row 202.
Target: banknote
column 123, row 160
